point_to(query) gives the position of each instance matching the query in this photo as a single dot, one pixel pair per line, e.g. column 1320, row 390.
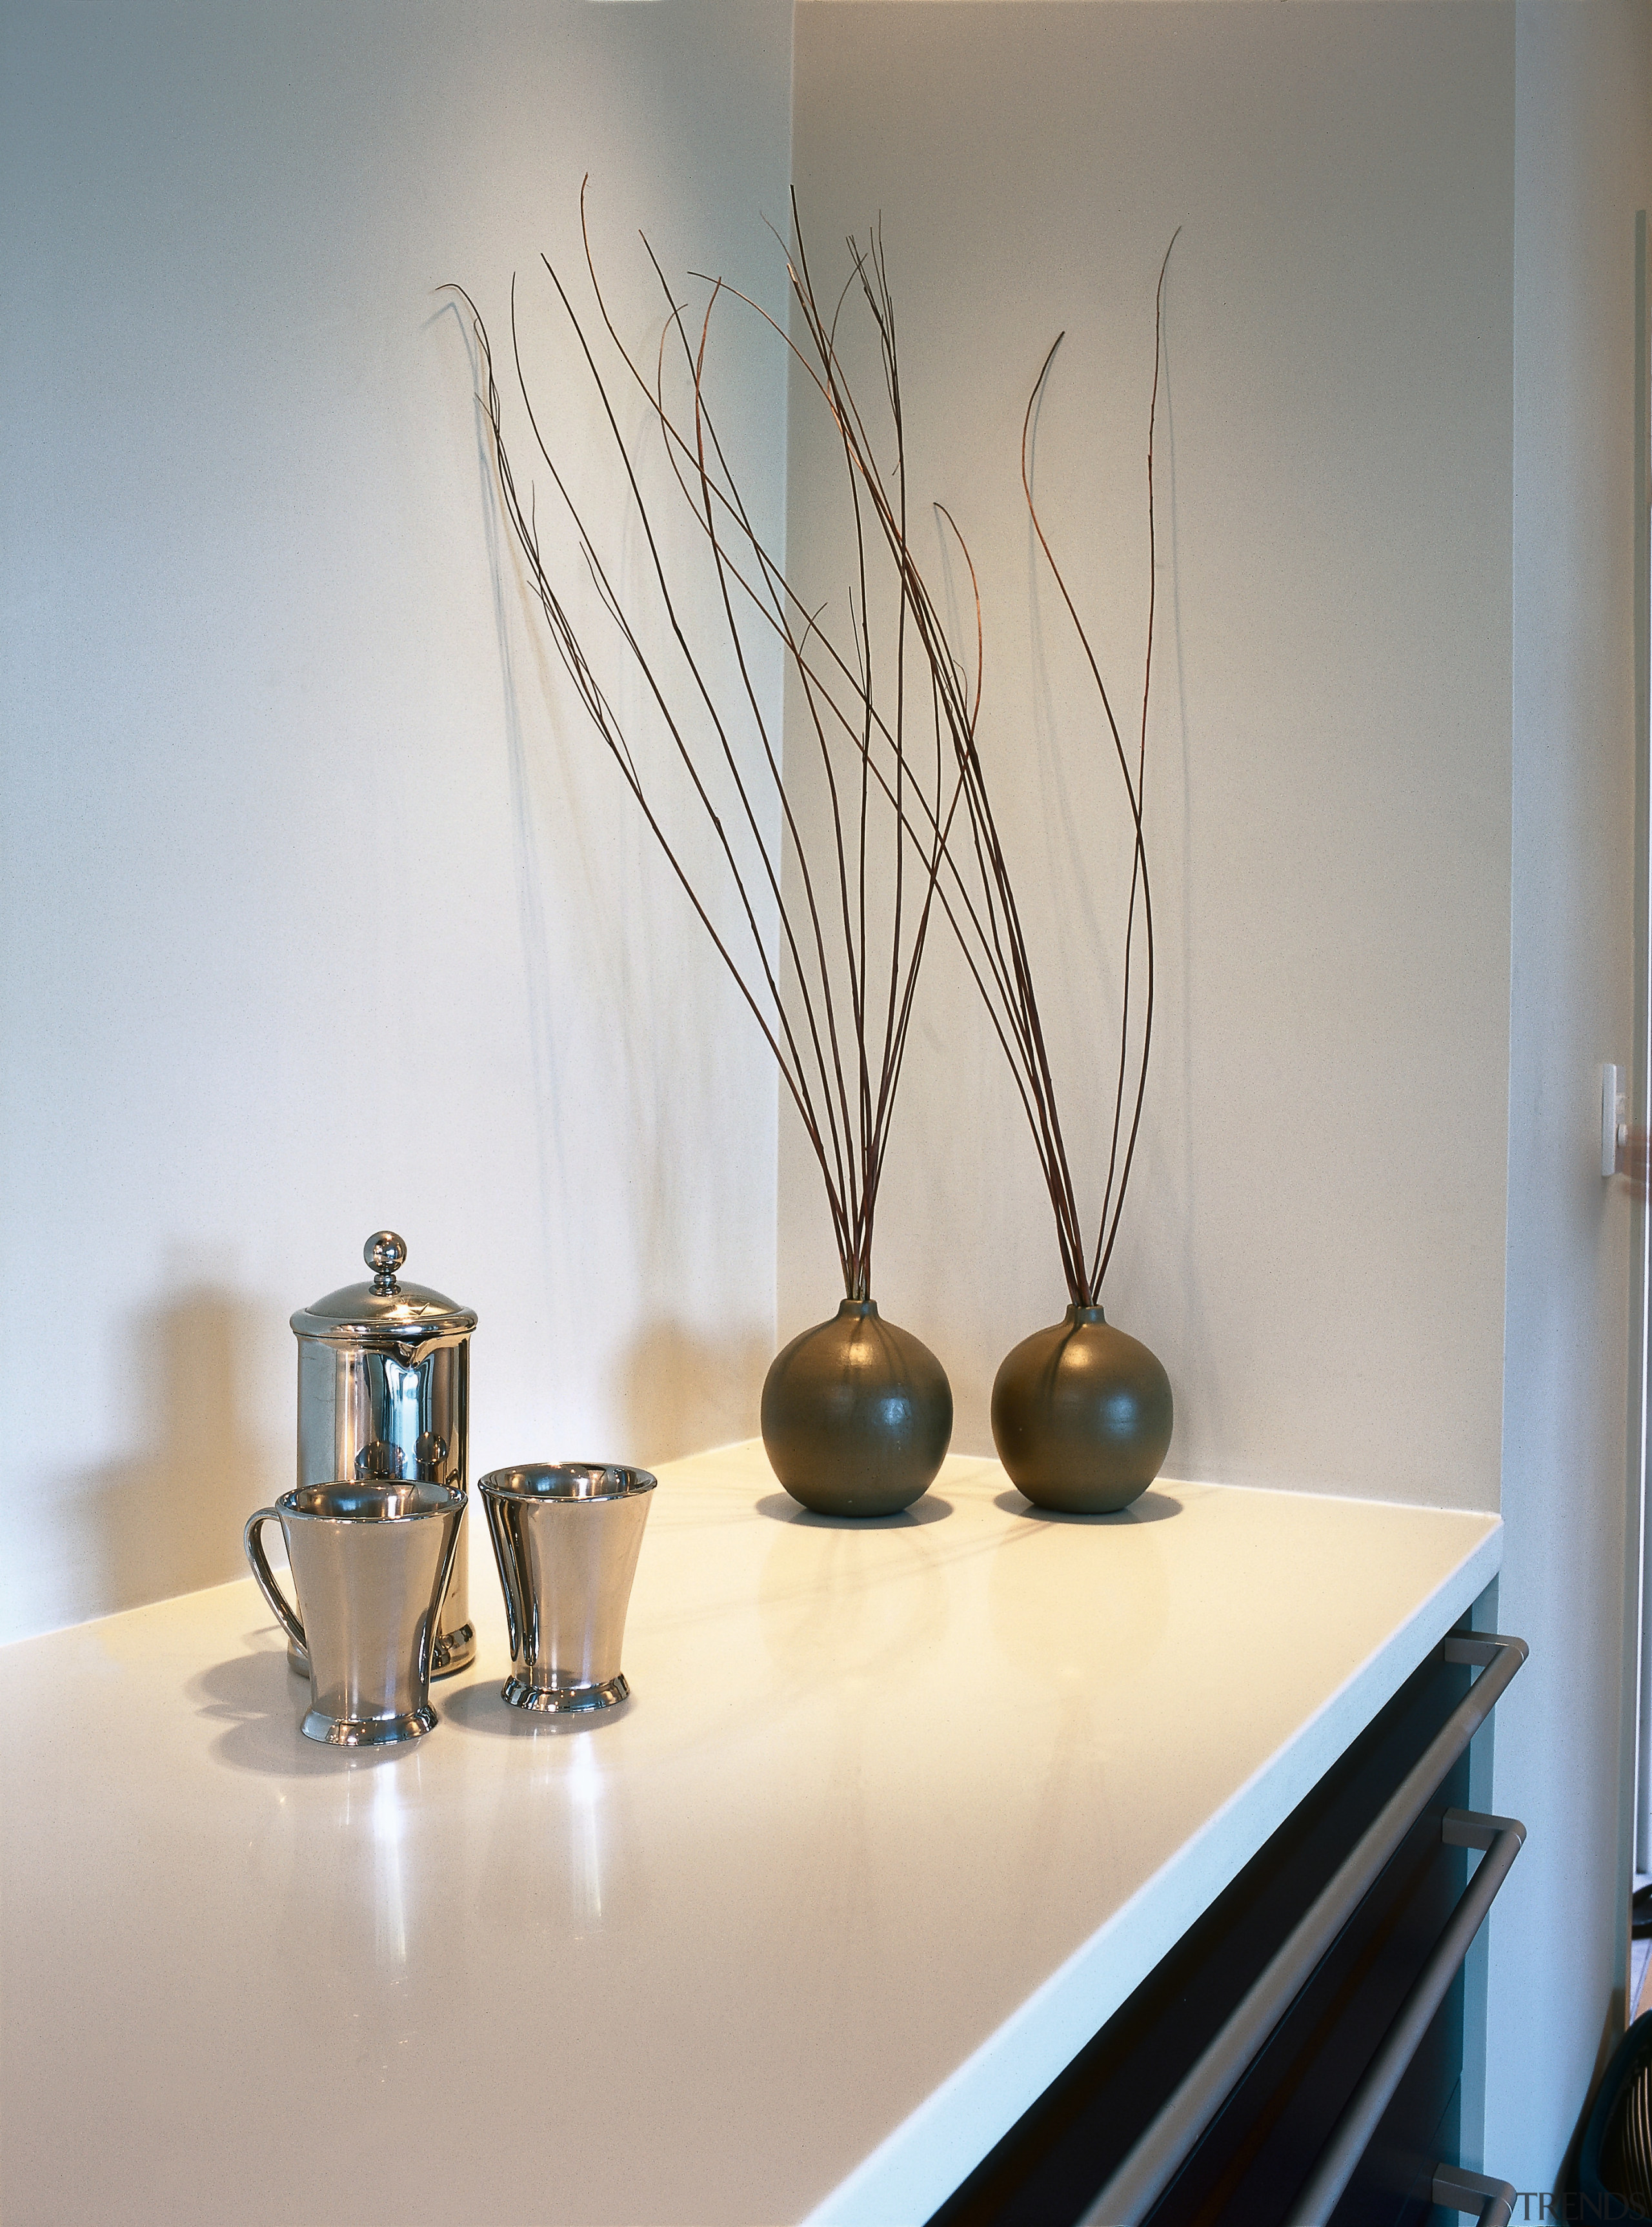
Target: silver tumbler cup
column 566, row 1536
column 370, row 1564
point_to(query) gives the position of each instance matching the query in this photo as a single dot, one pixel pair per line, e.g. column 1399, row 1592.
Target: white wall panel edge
column 1558, row 1940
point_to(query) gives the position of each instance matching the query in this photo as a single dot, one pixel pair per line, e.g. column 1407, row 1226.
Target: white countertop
column 897, row 1814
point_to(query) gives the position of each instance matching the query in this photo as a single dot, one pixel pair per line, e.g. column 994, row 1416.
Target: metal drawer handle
column 1503, row 1839
column 1159, row 2154
column 1491, row 2201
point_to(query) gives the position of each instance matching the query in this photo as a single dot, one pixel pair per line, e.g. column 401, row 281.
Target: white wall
column 322, row 910
column 1314, row 1241
column 1559, row 1947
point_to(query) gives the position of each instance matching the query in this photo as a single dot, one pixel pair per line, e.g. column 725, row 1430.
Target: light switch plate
column 1614, row 1121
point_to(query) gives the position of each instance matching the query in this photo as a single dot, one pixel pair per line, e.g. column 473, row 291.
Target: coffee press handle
column 509, row 1582
column 252, row 1541
column 444, row 1578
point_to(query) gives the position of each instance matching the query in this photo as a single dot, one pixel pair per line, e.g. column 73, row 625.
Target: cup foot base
column 565, row 1700
column 367, row 1732
column 458, row 1652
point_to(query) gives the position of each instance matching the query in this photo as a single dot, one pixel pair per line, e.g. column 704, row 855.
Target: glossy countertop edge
column 916, row 2167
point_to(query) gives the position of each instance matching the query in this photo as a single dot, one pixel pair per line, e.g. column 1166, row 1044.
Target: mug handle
column 251, row 1540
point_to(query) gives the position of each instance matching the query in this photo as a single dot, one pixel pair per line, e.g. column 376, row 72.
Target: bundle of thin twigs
column 978, row 895
column 835, row 1005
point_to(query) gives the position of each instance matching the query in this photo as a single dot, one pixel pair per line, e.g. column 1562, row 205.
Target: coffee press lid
column 385, row 1306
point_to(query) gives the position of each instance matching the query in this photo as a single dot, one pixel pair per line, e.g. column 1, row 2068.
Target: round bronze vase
column 857, row 1414
column 1081, row 1415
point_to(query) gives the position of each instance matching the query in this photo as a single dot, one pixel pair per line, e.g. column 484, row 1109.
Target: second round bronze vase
column 1081, row 1415
column 857, row 1414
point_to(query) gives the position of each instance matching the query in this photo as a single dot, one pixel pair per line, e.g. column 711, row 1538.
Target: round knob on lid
column 384, row 1253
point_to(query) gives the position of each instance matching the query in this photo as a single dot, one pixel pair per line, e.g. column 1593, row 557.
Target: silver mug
column 566, row 1536
column 371, row 1564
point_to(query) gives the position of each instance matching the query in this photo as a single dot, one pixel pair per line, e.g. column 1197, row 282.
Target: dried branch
column 836, row 1017
column 988, row 923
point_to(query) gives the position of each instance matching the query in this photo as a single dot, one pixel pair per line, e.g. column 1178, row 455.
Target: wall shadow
column 781, row 1508
column 1154, row 1507
column 679, row 1392
column 261, row 1703
column 167, row 1518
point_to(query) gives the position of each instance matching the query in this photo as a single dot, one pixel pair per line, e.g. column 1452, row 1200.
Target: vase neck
column 1078, row 1314
column 861, row 1308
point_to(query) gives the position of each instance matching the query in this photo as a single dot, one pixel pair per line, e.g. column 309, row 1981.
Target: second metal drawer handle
column 1159, row 2154
column 1503, row 1839
column 1491, row 2201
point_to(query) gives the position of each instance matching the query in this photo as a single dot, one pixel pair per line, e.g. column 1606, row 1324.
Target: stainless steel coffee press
column 384, row 1392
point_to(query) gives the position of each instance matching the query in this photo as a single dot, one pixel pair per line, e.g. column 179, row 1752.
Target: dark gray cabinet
column 1255, row 2157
